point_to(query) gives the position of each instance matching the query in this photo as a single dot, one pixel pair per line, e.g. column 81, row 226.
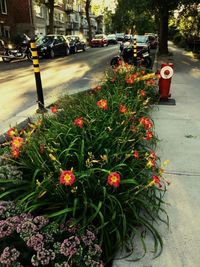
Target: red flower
column 11, row 132
column 103, row 104
column 15, row 153
column 156, row 180
column 142, row 92
column 152, row 154
column 17, row 142
column 136, row 154
column 151, row 163
column 149, row 135
column 150, row 82
column 113, row 79
column 114, row 179
column 122, row 108
column 67, row 178
column 146, row 123
column 79, row 122
column 54, row 109
column 129, row 79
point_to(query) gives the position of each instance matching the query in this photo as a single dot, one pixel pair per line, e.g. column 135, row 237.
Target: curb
column 29, row 115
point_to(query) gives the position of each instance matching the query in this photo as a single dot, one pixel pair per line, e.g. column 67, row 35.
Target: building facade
column 26, row 16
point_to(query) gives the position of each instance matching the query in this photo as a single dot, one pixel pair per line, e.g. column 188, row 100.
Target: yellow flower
column 166, row 162
column 104, row 158
column 52, row 157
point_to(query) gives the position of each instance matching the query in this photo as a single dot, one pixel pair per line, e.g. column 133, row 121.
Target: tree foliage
column 159, row 9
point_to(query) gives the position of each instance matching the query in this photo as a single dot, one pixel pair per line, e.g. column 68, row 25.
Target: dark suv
column 75, row 43
column 52, row 45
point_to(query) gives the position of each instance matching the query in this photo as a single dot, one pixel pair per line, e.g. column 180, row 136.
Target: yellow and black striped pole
column 38, row 81
column 135, row 51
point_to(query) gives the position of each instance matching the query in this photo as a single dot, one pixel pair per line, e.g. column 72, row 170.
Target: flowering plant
column 94, row 160
column 27, row 240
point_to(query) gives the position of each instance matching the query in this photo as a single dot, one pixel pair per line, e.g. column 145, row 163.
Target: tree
column 161, row 10
column 50, row 4
column 87, row 12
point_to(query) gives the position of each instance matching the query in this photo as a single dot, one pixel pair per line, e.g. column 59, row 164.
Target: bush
column 94, row 160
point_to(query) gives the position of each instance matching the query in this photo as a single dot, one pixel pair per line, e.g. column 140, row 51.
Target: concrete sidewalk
column 178, row 128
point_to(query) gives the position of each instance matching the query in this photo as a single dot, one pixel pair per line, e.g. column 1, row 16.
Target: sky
column 105, row 3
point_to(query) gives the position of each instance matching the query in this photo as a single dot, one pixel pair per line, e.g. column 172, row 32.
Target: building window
column 39, row 11
column 7, row 32
column 3, row 6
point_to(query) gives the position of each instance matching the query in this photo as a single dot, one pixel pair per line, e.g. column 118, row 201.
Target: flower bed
column 93, row 161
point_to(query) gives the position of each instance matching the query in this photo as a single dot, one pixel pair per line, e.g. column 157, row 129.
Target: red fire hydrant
column 166, row 74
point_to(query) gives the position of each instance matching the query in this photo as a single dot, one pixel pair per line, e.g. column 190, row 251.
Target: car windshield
column 141, row 38
column 45, row 40
column 69, row 38
column 111, row 36
column 98, row 36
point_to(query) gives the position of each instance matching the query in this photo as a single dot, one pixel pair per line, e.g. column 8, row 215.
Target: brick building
column 15, row 18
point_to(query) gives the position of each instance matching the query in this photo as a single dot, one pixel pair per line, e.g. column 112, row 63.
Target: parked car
column 127, row 38
column 142, row 42
column 153, row 40
column 112, row 38
column 120, row 36
column 75, row 43
column 99, row 40
column 52, row 45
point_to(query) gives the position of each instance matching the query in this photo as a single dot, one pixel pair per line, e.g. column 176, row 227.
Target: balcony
column 71, row 8
column 72, row 25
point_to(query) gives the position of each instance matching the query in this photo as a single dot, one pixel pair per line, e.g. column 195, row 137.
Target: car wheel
column 67, row 52
column 29, row 55
column 84, row 48
column 75, row 49
column 6, row 60
column 52, row 54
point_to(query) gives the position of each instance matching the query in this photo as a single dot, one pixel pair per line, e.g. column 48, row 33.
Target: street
column 59, row 76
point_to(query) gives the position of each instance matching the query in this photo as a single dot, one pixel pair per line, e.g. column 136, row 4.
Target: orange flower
column 113, row 79
column 129, row 79
column 133, row 129
column 122, row 108
column 136, row 154
column 12, row 132
column 151, row 163
column 150, row 82
column 17, row 142
column 156, row 180
column 114, row 179
column 79, row 122
column 54, row 109
column 149, row 135
column 146, row 123
column 15, row 153
column 103, row 104
column 142, row 92
column 152, row 154
column 67, row 178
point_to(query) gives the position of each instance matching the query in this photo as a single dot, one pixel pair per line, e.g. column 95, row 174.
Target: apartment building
column 26, row 16
column 6, row 22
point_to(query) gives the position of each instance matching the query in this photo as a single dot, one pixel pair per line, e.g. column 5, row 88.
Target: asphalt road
column 62, row 75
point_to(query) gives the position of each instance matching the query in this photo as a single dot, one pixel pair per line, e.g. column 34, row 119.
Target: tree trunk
column 87, row 11
column 51, row 17
column 163, row 32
